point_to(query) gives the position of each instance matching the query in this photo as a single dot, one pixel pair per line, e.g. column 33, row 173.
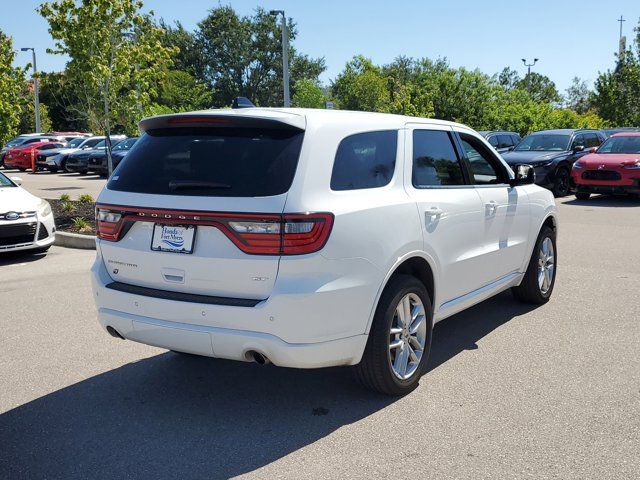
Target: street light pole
column 36, row 86
column 529, row 65
column 285, row 56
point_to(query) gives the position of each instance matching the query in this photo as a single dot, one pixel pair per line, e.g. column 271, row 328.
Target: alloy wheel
column 407, row 336
column 546, row 265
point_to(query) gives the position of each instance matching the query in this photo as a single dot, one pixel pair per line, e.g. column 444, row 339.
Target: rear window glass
column 365, row 160
column 217, row 162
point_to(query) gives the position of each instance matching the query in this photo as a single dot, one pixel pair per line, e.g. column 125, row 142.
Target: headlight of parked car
column 44, row 209
column 578, row 165
column 633, row 166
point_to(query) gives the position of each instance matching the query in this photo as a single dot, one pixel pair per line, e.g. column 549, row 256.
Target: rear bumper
column 232, row 344
column 315, row 323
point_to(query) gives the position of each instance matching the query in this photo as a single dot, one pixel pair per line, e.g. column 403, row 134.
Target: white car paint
column 19, row 208
column 315, row 310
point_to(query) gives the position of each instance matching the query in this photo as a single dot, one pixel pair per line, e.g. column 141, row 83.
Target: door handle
column 432, row 214
column 491, row 208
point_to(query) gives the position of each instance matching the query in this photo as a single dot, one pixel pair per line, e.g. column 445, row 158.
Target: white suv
column 314, row 238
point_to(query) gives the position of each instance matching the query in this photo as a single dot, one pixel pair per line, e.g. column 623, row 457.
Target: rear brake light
column 257, row 234
column 108, row 224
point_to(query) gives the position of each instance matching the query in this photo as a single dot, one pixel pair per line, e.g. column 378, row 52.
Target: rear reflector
column 257, row 234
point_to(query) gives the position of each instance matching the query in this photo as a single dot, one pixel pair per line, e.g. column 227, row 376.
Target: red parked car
column 614, row 167
column 20, row 157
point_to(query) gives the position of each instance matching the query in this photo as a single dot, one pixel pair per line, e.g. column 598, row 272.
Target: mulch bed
column 64, row 219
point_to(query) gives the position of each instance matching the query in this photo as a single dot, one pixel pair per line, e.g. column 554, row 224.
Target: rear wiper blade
column 191, row 184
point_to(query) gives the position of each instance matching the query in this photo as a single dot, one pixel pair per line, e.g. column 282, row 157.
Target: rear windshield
column 220, row 162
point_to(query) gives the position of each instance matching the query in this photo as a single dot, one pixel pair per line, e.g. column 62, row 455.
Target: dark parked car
column 43, row 156
column 98, row 160
column 552, row 154
column 502, row 141
column 79, row 161
column 612, row 131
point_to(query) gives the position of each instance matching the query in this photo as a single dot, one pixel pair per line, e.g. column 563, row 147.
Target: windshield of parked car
column 125, row 144
column 630, row 144
column 5, row 182
column 544, row 143
column 75, row 142
column 100, row 144
column 16, row 141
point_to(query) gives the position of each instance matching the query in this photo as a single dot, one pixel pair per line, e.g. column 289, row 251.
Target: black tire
column 561, row 185
column 583, row 195
column 63, row 166
column 22, row 169
column 53, row 169
column 529, row 291
column 375, row 371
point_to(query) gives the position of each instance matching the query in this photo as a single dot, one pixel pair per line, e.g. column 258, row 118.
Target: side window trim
column 469, row 172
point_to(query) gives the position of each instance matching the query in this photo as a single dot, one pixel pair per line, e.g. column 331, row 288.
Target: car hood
column 531, row 157
column 17, row 199
column 610, row 159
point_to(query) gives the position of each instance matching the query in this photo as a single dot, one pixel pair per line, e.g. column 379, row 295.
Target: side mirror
column 524, row 175
column 593, row 149
column 16, row 180
column 578, row 148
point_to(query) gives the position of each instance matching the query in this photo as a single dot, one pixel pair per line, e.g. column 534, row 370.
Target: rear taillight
column 257, row 234
column 108, row 224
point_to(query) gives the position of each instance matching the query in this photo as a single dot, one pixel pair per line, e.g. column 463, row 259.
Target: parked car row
column 74, row 152
column 554, row 154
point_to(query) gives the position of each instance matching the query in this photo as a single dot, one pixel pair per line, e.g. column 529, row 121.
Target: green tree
column 117, row 60
column 180, row 92
column 362, row 86
column 542, row 88
column 617, row 93
column 577, row 96
column 187, row 56
column 62, row 100
column 242, row 56
column 27, row 111
column 308, row 94
column 11, row 84
column 508, row 78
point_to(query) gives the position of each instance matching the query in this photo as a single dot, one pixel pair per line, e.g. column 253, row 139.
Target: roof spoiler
column 229, row 118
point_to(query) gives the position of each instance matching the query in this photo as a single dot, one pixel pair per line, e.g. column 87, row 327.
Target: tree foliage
column 12, row 82
column 308, row 94
column 432, row 88
column 117, row 59
column 617, row 92
column 242, row 56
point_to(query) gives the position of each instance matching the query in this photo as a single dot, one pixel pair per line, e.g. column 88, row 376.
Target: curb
column 75, row 240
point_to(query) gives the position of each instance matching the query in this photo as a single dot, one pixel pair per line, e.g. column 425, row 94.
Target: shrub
column 85, row 198
column 81, row 224
column 65, row 197
column 67, row 206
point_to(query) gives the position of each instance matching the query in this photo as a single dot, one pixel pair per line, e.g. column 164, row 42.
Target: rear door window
column 504, row 141
column 365, row 160
column 217, row 162
column 435, row 161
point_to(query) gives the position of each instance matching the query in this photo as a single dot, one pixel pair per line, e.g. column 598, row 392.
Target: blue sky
column 571, row 38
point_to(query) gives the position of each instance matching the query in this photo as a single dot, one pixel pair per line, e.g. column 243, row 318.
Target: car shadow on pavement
column 180, row 416
column 606, row 201
column 21, row 256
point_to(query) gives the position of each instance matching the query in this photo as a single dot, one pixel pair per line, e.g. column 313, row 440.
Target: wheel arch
column 416, row 264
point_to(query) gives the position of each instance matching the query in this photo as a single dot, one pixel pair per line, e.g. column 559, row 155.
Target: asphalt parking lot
column 52, row 185
column 511, row 391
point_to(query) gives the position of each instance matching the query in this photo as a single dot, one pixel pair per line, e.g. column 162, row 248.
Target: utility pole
column 36, row 86
column 285, row 56
column 529, row 65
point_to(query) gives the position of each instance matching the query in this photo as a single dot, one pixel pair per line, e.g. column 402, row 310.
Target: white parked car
column 58, row 160
column 26, row 221
column 314, row 238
